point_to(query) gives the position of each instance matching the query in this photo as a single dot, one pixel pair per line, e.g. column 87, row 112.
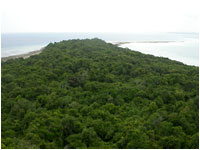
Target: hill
column 91, row 94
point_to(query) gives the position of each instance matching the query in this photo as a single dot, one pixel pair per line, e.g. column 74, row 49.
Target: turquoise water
column 184, row 48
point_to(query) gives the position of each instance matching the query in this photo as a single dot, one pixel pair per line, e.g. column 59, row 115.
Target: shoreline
column 24, row 56
column 122, row 43
column 36, row 52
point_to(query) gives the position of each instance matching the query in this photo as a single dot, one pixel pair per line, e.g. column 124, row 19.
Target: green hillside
column 91, row 94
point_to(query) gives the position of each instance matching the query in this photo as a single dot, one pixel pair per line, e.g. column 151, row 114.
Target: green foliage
column 91, row 94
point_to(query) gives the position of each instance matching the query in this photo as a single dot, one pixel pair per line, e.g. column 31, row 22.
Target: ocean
column 183, row 47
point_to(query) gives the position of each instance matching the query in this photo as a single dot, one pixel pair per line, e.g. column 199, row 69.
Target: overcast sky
column 99, row 15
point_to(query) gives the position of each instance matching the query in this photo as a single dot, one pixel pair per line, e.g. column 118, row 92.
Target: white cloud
column 99, row 15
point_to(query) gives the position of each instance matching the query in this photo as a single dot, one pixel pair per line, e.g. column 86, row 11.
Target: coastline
column 184, row 52
column 173, row 52
column 24, row 56
column 122, row 43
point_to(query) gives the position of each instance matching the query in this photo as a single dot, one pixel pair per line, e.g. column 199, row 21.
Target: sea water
column 183, row 51
column 183, row 47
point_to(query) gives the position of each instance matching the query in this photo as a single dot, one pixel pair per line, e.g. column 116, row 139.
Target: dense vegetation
column 91, row 94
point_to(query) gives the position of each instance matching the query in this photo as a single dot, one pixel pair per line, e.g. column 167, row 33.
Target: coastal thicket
column 92, row 94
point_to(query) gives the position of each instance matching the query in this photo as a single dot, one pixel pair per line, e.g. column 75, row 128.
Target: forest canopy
column 93, row 94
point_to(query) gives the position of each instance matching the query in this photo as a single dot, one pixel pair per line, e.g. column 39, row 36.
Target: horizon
column 19, row 43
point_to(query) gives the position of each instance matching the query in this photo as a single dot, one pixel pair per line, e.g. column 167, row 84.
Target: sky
column 99, row 16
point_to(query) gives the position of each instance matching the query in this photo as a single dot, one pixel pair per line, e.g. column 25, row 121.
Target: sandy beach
column 26, row 55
